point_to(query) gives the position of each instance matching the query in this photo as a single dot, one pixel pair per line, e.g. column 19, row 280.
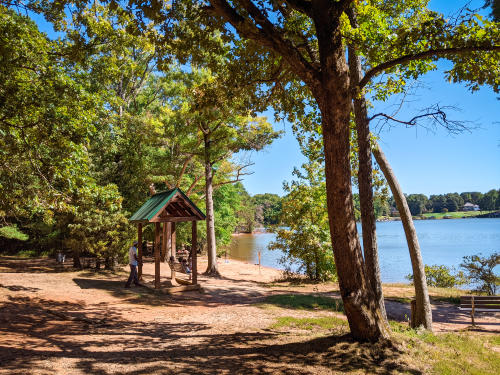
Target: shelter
column 167, row 207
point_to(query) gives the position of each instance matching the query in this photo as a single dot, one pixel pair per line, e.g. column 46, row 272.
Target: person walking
column 133, row 261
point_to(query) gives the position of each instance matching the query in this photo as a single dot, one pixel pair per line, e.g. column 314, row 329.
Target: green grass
column 451, row 353
column 400, row 299
column 455, row 215
column 12, row 232
column 450, row 299
column 324, row 322
column 305, row 302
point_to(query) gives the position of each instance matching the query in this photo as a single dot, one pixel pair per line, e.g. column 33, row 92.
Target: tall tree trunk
column 363, row 313
column 210, row 220
column 368, row 221
column 423, row 312
column 333, row 96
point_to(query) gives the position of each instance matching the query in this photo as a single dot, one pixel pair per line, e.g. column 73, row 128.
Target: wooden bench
column 479, row 303
column 177, row 267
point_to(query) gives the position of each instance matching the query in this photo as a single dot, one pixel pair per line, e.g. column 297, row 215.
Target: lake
column 441, row 242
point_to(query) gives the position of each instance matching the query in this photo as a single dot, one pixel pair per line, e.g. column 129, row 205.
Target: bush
column 97, row 226
column 441, row 276
column 481, row 271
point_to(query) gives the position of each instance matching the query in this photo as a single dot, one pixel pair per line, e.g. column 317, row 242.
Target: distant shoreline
column 447, row 216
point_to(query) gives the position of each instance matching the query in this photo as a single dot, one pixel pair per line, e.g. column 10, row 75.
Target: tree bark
column 423, row 312
column 76, row 259
column 333, row 96
column 368, row 221
column 210, row 220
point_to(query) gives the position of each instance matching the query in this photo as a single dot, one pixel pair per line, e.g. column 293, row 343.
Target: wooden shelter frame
column 165, row 209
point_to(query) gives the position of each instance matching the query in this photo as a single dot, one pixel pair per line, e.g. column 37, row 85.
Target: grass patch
column 12, row 232
column 305, row 302
column 455, row 300
column 324, row 322
column 455, row 215
column 400, row 299
column 450, row 353
column 405, row 292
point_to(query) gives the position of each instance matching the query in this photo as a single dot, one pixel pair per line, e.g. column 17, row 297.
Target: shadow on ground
column 38, row 333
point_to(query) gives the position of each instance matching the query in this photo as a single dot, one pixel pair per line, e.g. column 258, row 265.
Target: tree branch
column 301, row 6
column 267, row 35
column 436, row 114
column 193, row 184
column 423, row 55
column 239, row 173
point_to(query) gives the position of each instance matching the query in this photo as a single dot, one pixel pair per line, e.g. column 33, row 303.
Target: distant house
column 470, row 207
column 394, row 212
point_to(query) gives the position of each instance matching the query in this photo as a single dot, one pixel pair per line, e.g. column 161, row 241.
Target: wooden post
column 164, row 242
column 413, row 311
column 139, row 250
column 259, row 263
column 472, row 311
column 194, row 245
column 157, row 255
column 169, row 240
column 173, row 240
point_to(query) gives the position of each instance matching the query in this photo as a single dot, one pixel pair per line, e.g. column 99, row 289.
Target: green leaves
column 46, row 119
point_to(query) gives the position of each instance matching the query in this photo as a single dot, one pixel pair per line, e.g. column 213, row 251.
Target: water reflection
column 246, row 247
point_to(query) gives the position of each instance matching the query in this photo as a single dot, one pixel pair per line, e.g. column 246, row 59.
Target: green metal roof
column 154, row 204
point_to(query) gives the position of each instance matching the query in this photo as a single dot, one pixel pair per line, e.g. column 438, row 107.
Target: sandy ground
column 58, row 321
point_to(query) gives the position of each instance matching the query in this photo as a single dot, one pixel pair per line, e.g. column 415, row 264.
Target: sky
column 426, row 162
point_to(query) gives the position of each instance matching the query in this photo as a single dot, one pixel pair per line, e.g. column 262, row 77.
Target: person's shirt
column 132, row 253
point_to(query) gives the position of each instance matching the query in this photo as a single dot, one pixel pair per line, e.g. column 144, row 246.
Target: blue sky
column 424, row 162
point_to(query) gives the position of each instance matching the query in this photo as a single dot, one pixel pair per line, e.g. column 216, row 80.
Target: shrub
column 441, row 276
column 481, row 271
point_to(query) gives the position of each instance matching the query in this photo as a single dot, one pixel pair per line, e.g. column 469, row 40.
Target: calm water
column 441, row 242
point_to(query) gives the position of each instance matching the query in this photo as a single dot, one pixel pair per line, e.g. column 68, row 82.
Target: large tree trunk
column 334, row 100
column 423, row 312
column 368, row 221
column 365, row 318
column 210, row 220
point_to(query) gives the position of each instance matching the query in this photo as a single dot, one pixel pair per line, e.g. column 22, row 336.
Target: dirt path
column 86, row 322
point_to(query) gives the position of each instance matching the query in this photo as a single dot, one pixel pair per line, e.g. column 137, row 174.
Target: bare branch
column 239, row 173
column 442, row 52
column 435, row 114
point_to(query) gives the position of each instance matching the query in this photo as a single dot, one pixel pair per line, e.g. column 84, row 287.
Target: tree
column 441, row 277
column 299, row 45
column 471, row 197
column 96, row 225
column 489, row 200
column 416, row 203
column 482, row 270
column 220, row 116
column 438, row 203
column 46, row 120
column 270, row 204
column 304, row 235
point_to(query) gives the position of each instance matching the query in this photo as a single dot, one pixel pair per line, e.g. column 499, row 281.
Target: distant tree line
column 258, row 211
column 451, row 202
